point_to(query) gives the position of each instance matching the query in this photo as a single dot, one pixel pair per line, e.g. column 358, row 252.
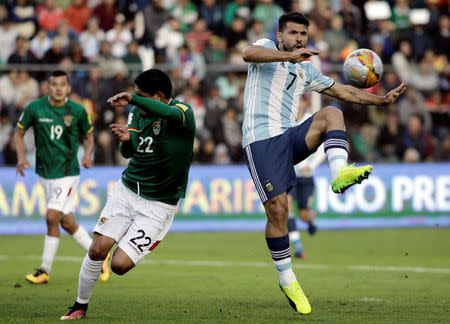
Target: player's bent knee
column 119, row 269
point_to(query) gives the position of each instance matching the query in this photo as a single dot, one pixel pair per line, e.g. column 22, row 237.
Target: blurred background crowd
column 103, row 45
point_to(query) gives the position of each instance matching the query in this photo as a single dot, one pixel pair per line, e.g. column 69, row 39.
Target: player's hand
column 120, row 100
column 86, row 162
column 301, row 54
column 120, row 132
column 21, row 166
column 392, row 95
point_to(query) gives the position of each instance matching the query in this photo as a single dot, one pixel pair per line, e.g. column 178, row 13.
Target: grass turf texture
column 229, row 278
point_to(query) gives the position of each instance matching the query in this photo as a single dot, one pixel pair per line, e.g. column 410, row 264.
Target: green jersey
column 57, row 131
column 160, row 148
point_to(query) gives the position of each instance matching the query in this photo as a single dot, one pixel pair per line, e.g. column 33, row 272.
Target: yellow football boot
column 297, row 298
column 348, row 176
column 39, row 277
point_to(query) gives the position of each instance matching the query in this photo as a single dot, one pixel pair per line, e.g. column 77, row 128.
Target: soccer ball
column 363, row 68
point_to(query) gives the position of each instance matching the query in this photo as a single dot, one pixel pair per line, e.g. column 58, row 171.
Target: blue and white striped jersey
column 272, row 95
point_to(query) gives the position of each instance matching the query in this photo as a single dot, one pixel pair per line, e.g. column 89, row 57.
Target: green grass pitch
column 359, row 276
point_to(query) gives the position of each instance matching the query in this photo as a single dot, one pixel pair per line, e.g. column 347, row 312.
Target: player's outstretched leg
column 296, row 297
column 39, row 277
column 350, row 175
column 42, row 276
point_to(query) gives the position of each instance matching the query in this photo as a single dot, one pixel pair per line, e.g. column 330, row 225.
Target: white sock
column 82, row 237
column 286, row 276
column 89, row 273
column 50, row 247
column 337, row 158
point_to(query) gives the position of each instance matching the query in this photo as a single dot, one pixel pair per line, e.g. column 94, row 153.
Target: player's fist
column 120, row 132
column 87, row 162
column 120, row 100
column 21, row 166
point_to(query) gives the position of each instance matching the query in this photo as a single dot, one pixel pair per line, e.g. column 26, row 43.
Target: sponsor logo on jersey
column 157, row 127
column 46, row 120
column 68, row 120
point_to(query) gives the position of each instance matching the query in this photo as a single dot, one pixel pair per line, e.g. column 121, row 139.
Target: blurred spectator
column 413, row 103
column 232, row 136
column 199, row 36
column 64, row 33
column 56, row 53
column 50, row 15
column 8, row 36
column 119, row 36
column 228, row 85
column 400, row 15
column 77, row 15
column 212, row 13
column 133, row 60
column 91, row 38
column 108, row 64
column 154, row 16
column 22, row 54
column 444, row 149
column 104, row 153
column 216, row 52
column 363, row 143
column 351, row 17
column 9, row 96
column 106, row 13
column 196, row 102
column 236, row 53
column 28, row 91
column 76, row 54
column 256, row 31
column 206, row 151
column 268, row 12
column 95, row 88
column 388, row 138
column 321, row 14
column 335, row 38
column 236, row 33
column 169, row 38
column 237, row 8
column 441, row 39
column 40, row 44
column 215, row 107
column 9, row 152
column 192, row 61
column 221, row 156
column 415, row 137
column 186, row 13
column 425, row 79
column 402, row 60
column 6, row 129
column 23, row 14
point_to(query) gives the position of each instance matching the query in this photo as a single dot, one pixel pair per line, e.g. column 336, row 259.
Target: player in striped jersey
column 277, row 78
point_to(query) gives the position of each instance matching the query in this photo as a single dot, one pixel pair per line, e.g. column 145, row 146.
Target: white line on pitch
column 250, row 264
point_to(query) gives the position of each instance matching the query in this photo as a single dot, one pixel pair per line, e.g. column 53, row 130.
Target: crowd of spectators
column 103, row 45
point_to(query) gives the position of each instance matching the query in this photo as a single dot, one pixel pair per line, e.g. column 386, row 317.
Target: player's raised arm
column 260, row 54
column 352, row 94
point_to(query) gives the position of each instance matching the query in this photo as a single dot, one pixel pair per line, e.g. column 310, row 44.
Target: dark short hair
column 154, row 80
column 59, row 73
column 293, row 16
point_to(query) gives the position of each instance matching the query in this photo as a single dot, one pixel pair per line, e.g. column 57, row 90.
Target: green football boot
column 348, row 176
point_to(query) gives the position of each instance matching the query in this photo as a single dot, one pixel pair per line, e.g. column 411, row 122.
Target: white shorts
column 138, row 224
column 60, row 193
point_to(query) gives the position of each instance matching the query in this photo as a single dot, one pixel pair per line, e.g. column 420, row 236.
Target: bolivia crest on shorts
column 68, row 120
column 157, row 127
column 102, row 221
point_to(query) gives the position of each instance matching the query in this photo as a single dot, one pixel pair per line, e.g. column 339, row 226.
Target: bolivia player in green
column 58, row 123
column 159, row 139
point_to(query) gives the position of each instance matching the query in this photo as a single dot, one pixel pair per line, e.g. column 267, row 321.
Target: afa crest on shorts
column 68, row 120
column 157, row 127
